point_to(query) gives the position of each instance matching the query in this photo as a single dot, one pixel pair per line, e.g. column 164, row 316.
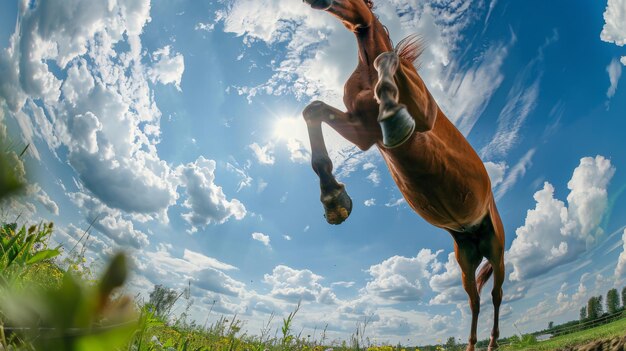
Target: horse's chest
column 359, row 95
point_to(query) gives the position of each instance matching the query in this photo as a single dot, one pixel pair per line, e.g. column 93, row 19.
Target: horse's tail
column 411, row 48
column 483, row 275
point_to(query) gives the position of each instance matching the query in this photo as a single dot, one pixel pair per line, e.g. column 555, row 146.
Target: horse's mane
column 411, row 48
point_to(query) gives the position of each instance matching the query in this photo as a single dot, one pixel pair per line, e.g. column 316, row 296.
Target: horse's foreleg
column 337, row 203
column 354, row 13
column 469, row 258
column 395, row 121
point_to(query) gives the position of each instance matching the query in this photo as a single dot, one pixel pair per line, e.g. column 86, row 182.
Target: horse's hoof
column 319, row 4
column 337, row 206
column 397, row 127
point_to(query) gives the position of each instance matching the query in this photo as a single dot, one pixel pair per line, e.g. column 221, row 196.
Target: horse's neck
column 372, row 42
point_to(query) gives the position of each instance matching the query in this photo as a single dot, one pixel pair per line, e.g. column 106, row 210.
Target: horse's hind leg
column 396, row 122
column 469, row 258
column 337, row 203
column 493, row 249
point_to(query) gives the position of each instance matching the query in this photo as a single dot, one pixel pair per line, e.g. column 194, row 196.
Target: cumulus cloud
column 448, row 284
column 265, row 239
column 168, row 67
column 110, row 222
column 554, row 233
column 294, row 285
column 614, row 30
column 205, row 200
column 43, row 198
column 401, row 278
column 614, row 69
column 102, row 110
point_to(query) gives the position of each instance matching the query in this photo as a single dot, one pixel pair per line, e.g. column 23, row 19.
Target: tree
column 612, row 301
column 624, row 297
column 451, row 344
column 550, row 325
column 161, row 300
column 594, row 307
column 583, row 313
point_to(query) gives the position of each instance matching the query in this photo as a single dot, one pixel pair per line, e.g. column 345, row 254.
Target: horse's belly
column 449, row 189
column 459, row 210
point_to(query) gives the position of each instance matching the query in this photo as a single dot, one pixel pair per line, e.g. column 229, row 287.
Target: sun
column 286, row 128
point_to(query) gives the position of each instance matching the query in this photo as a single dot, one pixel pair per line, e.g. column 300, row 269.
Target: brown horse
column 438, row 172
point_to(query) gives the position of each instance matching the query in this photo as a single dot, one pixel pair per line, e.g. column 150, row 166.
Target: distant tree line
column 594, row 308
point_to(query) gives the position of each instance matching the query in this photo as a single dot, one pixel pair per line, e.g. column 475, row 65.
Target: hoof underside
column 337, row 206
column 319, row 4
column 397, row 127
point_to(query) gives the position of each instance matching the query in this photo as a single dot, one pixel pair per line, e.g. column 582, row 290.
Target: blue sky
column 176, row 127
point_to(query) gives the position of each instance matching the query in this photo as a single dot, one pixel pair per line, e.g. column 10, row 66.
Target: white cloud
column 521, row 101
column 401, row 278
column 102, row 111
column 43, row 198
column 343, row 284
column 202, row 262
column 554, row 234
column 246, row 180
column 265, row 239
column 110, row 222
column 614, row 30
column 264, row 154
column 623, row 60
column 448, row 284
column 206, row 273
column 614, row 69
column 496, row 172
column 208, row 27
column 168, row 68
column 206, row 200
column 514, row 174
column 620, row 268
column 69, row 238
column 287, row 237
column 294, row 285
column 395, row 202
column 370, row 202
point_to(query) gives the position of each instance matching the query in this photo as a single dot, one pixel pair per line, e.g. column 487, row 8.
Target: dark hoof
column 337, row 206
column 319, row 4
column 397, row 127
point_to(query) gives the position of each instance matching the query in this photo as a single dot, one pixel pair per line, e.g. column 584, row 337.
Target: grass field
column 607, row 331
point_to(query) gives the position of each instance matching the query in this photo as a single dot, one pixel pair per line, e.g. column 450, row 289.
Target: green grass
column 607, row 331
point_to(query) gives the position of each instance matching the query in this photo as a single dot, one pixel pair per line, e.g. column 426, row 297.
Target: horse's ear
column 369, row 3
